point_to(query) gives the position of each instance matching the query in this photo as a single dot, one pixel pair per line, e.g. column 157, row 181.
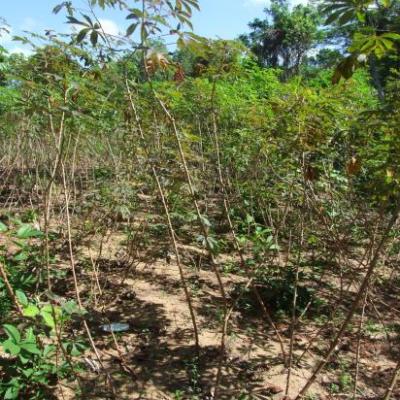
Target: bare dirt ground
column 155, row 359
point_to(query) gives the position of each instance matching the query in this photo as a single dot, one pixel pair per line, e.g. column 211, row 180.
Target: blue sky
column 218, row 18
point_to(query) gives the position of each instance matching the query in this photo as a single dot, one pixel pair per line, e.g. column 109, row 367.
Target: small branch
column 354, row 306
column 10, row 290
column 393, row 381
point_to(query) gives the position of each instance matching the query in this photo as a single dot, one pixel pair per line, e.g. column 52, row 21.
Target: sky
column 224, row 19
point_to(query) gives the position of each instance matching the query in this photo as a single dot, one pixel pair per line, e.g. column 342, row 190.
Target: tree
column 285, row 36
column 370, row 30
column 214, row 56
column 325, row 58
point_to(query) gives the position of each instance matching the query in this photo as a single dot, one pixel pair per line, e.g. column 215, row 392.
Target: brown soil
column 155, row 359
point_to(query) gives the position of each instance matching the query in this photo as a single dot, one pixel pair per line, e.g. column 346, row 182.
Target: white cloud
column 21, row 50
column 10, row 45
column 109, row 26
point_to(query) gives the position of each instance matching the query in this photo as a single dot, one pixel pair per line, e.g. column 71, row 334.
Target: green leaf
column 94, row 37
column 22, row 256
column 24, row 358
column 48, row 351
column 21, row 297
column 75, row 351
column 12, row 333
column 193, row 3
column 348, row 16
column 31, row 311
column 391, row 35
column 73, row 20
column 30, row 335
column 345, row 69
column 11, row 347
column 28, row 372
column 70, row 307
column 386, row 3
column 205, row 221
column 388, row 44
column 81, row 35
column 3, row 227
column 361, row 16
column 58, row 8
column 249, row 219
column 47, row 314
column 30, row 348
column 11, row 393
column 212, row 244
column 88, row 19
column 131, row 29
column 26, row 231
column 48, row 319
column 136, row 14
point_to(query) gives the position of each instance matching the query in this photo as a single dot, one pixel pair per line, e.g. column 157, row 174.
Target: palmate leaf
column 193, row 3
column 22, row 39
column 333, row 17
column 391, row 35
column 27, row 231
column 185, row 20
column 378, row 44
column 66, row 4
column 21, row 256
column 11, row 347
column 364, row 45
column 149, row 21
column 104, row 3
column 75, row 21
column 71, row 307
column 183, row 10
column 30, row 347
column 344, row 11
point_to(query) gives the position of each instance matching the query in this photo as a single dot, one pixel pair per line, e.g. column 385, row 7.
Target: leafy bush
column 31, row 359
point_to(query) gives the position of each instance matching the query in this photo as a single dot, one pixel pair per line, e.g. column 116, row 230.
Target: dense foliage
column 268, row 163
